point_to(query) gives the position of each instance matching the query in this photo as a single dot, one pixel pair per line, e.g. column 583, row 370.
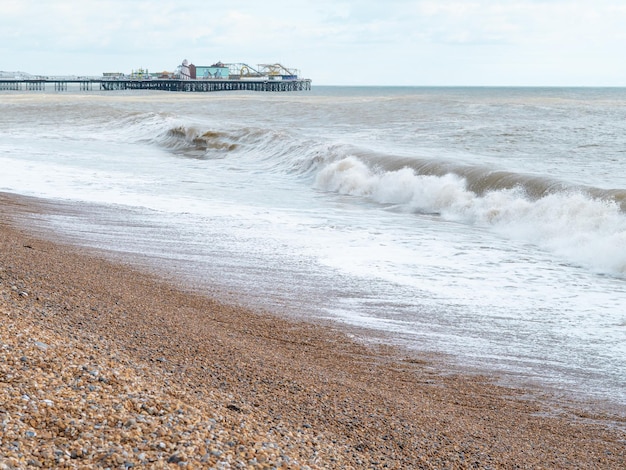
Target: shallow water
column 488, row 224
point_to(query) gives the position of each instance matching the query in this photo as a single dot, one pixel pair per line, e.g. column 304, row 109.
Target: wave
column 199, row 141
column 263, row 148
column 284, row 151
column 169, row 132
column 586, row 226
column 195, row 144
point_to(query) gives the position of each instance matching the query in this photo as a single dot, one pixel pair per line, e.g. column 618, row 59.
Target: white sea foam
column 460, row 221
column 581, row 229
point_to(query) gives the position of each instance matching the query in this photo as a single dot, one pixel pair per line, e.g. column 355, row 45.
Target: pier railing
column 157, row 84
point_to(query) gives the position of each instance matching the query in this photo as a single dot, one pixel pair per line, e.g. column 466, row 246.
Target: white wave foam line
column 580, row 229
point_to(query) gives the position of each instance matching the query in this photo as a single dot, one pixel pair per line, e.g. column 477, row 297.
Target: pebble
column 95, row 418
column 41, row 345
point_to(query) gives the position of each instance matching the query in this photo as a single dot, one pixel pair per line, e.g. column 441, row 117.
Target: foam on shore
column 102, row 365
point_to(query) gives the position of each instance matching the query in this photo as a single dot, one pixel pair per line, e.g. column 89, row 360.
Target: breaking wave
column 169, row 132
column 586, row 226
column 583, row 225
column 192, row 141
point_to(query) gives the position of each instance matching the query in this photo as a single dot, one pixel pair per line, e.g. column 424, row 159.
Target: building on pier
column 235, row 71
column 216, row 71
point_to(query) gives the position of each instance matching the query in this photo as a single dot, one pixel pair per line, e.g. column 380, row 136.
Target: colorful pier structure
column 189, row 78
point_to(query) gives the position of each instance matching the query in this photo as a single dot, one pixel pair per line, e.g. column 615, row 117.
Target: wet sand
column 102, row 365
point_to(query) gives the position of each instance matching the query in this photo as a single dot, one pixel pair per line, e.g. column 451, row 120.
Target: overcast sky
column 333, row 42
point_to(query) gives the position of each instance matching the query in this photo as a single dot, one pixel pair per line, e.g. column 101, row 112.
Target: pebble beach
column 105, row 366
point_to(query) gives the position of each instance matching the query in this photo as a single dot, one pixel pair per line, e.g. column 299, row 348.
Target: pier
column 188, row 85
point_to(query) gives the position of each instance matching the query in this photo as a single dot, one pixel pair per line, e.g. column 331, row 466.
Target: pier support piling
column 261, row 84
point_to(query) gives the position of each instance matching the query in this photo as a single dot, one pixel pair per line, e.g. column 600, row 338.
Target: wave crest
column 189, row 139
column 570, row 222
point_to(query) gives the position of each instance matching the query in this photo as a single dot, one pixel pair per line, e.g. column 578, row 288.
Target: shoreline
column 282, row 392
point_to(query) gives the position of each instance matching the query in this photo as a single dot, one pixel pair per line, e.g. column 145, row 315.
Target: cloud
column 418, row 41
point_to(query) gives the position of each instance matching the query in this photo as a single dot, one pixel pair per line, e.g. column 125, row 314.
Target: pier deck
column 157, row 84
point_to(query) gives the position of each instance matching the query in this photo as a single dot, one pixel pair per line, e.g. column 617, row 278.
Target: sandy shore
column 105, row 366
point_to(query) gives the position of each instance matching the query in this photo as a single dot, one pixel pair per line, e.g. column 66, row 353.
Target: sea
column 486, row 226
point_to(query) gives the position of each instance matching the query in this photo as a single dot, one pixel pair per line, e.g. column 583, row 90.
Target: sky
column 332, row 42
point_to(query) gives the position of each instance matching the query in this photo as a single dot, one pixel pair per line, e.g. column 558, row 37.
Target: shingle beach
column 104, row 366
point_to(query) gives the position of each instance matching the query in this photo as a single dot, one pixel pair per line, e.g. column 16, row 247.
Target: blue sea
column 485, row 225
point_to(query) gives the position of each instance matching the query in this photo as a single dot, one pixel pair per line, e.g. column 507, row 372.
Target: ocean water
column 484, row 224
